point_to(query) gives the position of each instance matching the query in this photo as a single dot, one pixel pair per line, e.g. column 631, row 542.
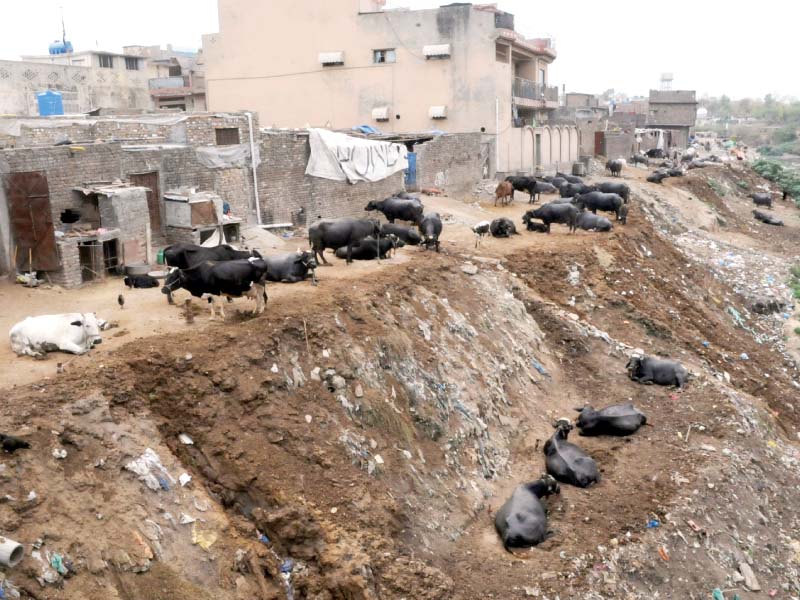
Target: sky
column 712, row 46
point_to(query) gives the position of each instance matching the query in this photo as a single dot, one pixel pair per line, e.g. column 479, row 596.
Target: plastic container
column 11, row 552
column 160, row 257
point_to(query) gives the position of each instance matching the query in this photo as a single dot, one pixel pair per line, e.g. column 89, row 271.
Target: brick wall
column 287, row 195
column 127, row 211
column 450, row 162
column 69, row 275
column 200, row 131
column 617, row 145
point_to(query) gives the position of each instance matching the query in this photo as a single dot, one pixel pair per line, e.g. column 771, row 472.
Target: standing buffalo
column 291, row 267
column 431, row 228
column 404, row 209
column 649, row 370
column 340, row 233
column 762, row 199
column 639, row 159
column 655, row 153
column 504, row 192
column 184, row 255
column 523, row 184
column 591, row 222
column 409, row 235
column 502, row 228
column 622, row 419
column 623, row 214
column 595, row 201
column 614, row 167
column 543, row 187
column 566, row 462
column 566, row 214
column 570, row 190
column 615, row 187
column 522, row 522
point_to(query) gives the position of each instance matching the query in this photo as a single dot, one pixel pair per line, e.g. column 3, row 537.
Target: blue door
column 411, row 172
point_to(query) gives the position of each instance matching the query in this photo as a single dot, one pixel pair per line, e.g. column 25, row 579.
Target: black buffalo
column 649, row 370
column 595, row 201
column 568, row 463
column 522, row 521
column 621, row 419
column 140, row 281
column 183, row 255
column 408, row 235
column 542, row 187
column 675, row 172
column 657, row 176
column 522, row 184
column 231, row 278
column 367, row 249
column 762, row 199
column 614, row 167
column 566, row 214
column 558, row 181
column 592, row 222
column 767, row 218
column 639, row 159
column 502, row 228
column 340, row 233
column 431, row 229
column 570, row 190
column 291, row 267
column 615, row 187
column 569, row 178
column 655, row 153
column 404, row 209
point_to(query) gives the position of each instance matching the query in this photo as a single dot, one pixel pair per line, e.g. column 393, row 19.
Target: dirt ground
column 370, row 426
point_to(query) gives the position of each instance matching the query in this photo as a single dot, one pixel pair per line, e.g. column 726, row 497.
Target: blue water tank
column 50, row 103
column 59, row 47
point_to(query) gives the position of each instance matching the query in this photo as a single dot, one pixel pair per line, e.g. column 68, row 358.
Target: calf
column 480, row 230
column 406, row 208
column 340, row 233
column 431, row 229
column 522, row 522
column 140, row 281
column 504, row 193
column 232, row 279
column 76, row 333
column 502, row 228
column 409, row 235
column 623, row 214
column 649, row 370
column 762, row 199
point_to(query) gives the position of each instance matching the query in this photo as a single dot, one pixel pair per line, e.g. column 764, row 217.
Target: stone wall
column 127, row 211
column 450, row 162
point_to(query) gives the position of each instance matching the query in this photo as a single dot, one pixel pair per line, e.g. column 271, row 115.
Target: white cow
column 71, row 332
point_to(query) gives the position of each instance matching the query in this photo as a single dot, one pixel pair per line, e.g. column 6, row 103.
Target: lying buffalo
column 522, row 522
column 657, row 176
column 502, row 228
column 649, row 370
column 566, row 462
column 404, row 209
column 614, row 187
column 409, row 235
column 621, row 419
column 767, row 218
column 340, row 233
column 431, row 228
column 291, row 267
column 595, row 201
column 762, row 199
column 592, row 222
column 566, row 214
column 140, row 281
column 367, row 249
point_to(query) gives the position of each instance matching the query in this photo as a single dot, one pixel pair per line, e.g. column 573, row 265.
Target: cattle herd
column 522, row 521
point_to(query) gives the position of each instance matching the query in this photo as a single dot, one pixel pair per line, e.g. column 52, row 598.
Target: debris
column 470, row 268
column 262, row 538
column 274, row 368
column 186, row 519
column 57, row 562
column 31, row 496
column 185, row 440
column 717, row 594
column 536, row 365
column 315, row 374
column 309, row 418
column 287, row 566
column 145, row 465
column 204, row 539
column 184, row 479
column 744, row 356
column 653, row 524
column 59, row 453
column 750, row 581
column 662, row 552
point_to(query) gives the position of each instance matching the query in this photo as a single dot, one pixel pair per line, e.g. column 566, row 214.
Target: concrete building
column 458, row 68
column 674, row 111
column 91, row 80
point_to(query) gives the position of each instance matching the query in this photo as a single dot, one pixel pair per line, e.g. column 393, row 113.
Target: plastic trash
column 744, row 356
column 204, row 539
column 706, row 344
column 263, row 538
column 539, row 368
column 184, row 479
column 717, row 594
column 653, row 524
column 57, row 562
column 287, row 566
column 146, row 465
column 163, row 483
column 185, row 439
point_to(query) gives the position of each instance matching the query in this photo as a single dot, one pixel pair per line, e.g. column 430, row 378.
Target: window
column 175, row 71
column 542, row 77
column 384, row 56
column 106, row 61
column 131, row 63
column 227, row 136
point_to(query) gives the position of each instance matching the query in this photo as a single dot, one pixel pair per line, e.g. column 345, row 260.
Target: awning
column 436, row 50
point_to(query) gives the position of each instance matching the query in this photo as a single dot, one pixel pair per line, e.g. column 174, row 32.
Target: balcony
column 530, row 94
column 182, row 85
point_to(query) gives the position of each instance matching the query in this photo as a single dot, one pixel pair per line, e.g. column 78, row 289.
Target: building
column 458, row 68
column 588, row 114
column 674, row 111
column 91, row 80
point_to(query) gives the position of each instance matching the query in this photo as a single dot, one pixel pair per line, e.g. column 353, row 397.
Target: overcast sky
column 715, row 47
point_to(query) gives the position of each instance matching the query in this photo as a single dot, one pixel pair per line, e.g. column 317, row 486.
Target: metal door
column 150, row 181
column 411, row 172
column 598, row 142
column 31, row 221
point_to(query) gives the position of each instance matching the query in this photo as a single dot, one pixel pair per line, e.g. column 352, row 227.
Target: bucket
column 160, row 257
column 578, row 169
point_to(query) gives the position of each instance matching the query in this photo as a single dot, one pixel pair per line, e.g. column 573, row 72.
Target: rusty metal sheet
column 31, row 221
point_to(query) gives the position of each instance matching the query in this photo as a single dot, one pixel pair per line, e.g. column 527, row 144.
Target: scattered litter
column 57, row 562
column 59, row 453
column 287, row 566
column 662, row 552
column 744, row 356
column 186, row 519
column 202, row 506
column 147, row 463
column 204, row 539
column 262, row 538
column 536, row 365
column 31, row 496
column 653, row 524
column 184, row 479
column 274, row 368
column 185, row 440
column 706, row 344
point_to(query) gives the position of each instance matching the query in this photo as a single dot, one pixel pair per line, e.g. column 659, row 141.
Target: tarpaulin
column 226, row 157
column 342, row 157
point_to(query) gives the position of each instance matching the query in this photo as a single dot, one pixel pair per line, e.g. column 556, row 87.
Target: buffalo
column 291, row 267
column 409, row 235
column 649, row 370
column 620, row 420
column 522, row 184
column 614, row 187
column 566, row 462
column 639, row 159
column 767, row 218
column 340, row 233
column 184, row 255
column 657, row 176
column 502, row 228
column 566, row 214
column 655, row 153
column 595, row 201
column 614, row 167
column 570, row 190
column 569, row 178
column 543, row 187
column 367, row 249
column 762, row 199
column 522, row 522
column 404, row 209
column 591, row 222
column 431, row 228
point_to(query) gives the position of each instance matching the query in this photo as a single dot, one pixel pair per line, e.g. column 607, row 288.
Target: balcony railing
column 525, row 88
column 170, row 82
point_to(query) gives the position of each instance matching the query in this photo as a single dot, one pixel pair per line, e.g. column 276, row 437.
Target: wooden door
column 150, row 181
column 598, row 142
column 31, row 221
